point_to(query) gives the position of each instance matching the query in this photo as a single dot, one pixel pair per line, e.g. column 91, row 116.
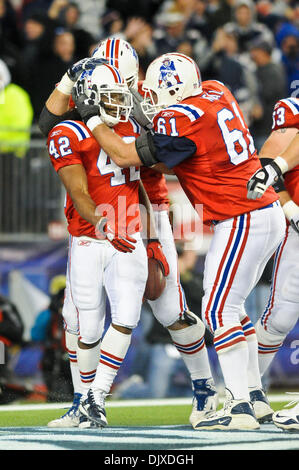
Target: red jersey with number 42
column 211, row 151
column 114, row 190
column 286, row 115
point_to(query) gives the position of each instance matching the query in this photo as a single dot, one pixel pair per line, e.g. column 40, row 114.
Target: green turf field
column 140, row 416
column 137, row 425
column 122, row 416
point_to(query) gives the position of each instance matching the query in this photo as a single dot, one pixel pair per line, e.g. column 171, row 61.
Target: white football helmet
column 113, row 95
column 121, row 55
column 169, row 79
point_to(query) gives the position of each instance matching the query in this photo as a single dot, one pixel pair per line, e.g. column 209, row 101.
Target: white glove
column 265, row 177
column 291, row 211
column 73, row 73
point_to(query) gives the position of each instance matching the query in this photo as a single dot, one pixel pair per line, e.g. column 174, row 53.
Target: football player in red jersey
column 282, row 310
column 200, row 133
column 107, row 257
column 186, row 329
column 288, row 157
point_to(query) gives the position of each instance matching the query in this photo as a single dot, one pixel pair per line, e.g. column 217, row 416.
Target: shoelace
column 98, row 398
column 74, row 409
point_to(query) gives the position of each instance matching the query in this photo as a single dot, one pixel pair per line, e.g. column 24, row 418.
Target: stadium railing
column 32, row 196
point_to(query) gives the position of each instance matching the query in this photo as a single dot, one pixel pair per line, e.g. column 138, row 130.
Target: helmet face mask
column 113, row 96
column 121, row 55
column 169, row 79
column 115, row 106
column 149, row 104
column 132, row 81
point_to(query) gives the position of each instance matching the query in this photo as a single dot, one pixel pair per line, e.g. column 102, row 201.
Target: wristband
column 282, row 164
column 93, row 122
column 290, row 209
column 65, row 85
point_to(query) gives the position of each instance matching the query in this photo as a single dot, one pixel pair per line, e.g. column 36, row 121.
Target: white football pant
column 170, row 306
column 282, row 310
column 239, row 251
column 96, row 270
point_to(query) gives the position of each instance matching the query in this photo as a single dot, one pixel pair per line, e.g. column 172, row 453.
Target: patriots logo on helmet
column 168, row 74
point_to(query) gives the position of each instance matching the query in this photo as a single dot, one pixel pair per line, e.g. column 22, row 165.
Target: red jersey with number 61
column 286, row 115
column 114, row 190
column 205, row 140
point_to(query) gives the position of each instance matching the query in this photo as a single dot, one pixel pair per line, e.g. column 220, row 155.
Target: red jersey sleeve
column 64, row 146
column 173, row 134
column 286, row 114
column 176, row 121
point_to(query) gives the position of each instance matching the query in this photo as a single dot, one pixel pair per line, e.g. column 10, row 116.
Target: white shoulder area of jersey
column 192, row 112
column 78, row 129
column 292, row 103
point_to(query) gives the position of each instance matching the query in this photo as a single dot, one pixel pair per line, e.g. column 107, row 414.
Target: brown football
column 156, row 282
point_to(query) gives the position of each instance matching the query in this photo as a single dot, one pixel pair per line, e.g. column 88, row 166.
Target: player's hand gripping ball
column 158, row 270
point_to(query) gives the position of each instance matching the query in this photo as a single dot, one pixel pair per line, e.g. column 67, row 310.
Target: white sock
column 190, row 343
column 254, row 376
column 114, row 348
column 71, row 342
column 233, row 355
column 88, row 360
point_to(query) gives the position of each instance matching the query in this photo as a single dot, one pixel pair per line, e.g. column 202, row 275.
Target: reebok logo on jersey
column 167, row 113
column 56, row 133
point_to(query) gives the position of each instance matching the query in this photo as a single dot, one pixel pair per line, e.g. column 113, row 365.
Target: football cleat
column 205, row 399
column 235, row 414
column 94, row 407
column 261, row 406
column 71, row 418
column 288, row 420
column 86, row 423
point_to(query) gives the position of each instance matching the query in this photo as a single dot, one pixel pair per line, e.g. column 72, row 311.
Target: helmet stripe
column 112, row 53
column 117, row 44
column 115, row 73
column 181, row 55
column 107, row 49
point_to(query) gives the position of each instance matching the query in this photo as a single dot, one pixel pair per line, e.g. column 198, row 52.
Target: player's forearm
column 291, row 153
column 123, row 154
column 277, row 142
column 290, row 209
column 284, row 197
column 58, row 102
column 85, row 207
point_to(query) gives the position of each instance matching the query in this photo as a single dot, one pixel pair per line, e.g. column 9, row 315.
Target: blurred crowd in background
column 251, row 46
